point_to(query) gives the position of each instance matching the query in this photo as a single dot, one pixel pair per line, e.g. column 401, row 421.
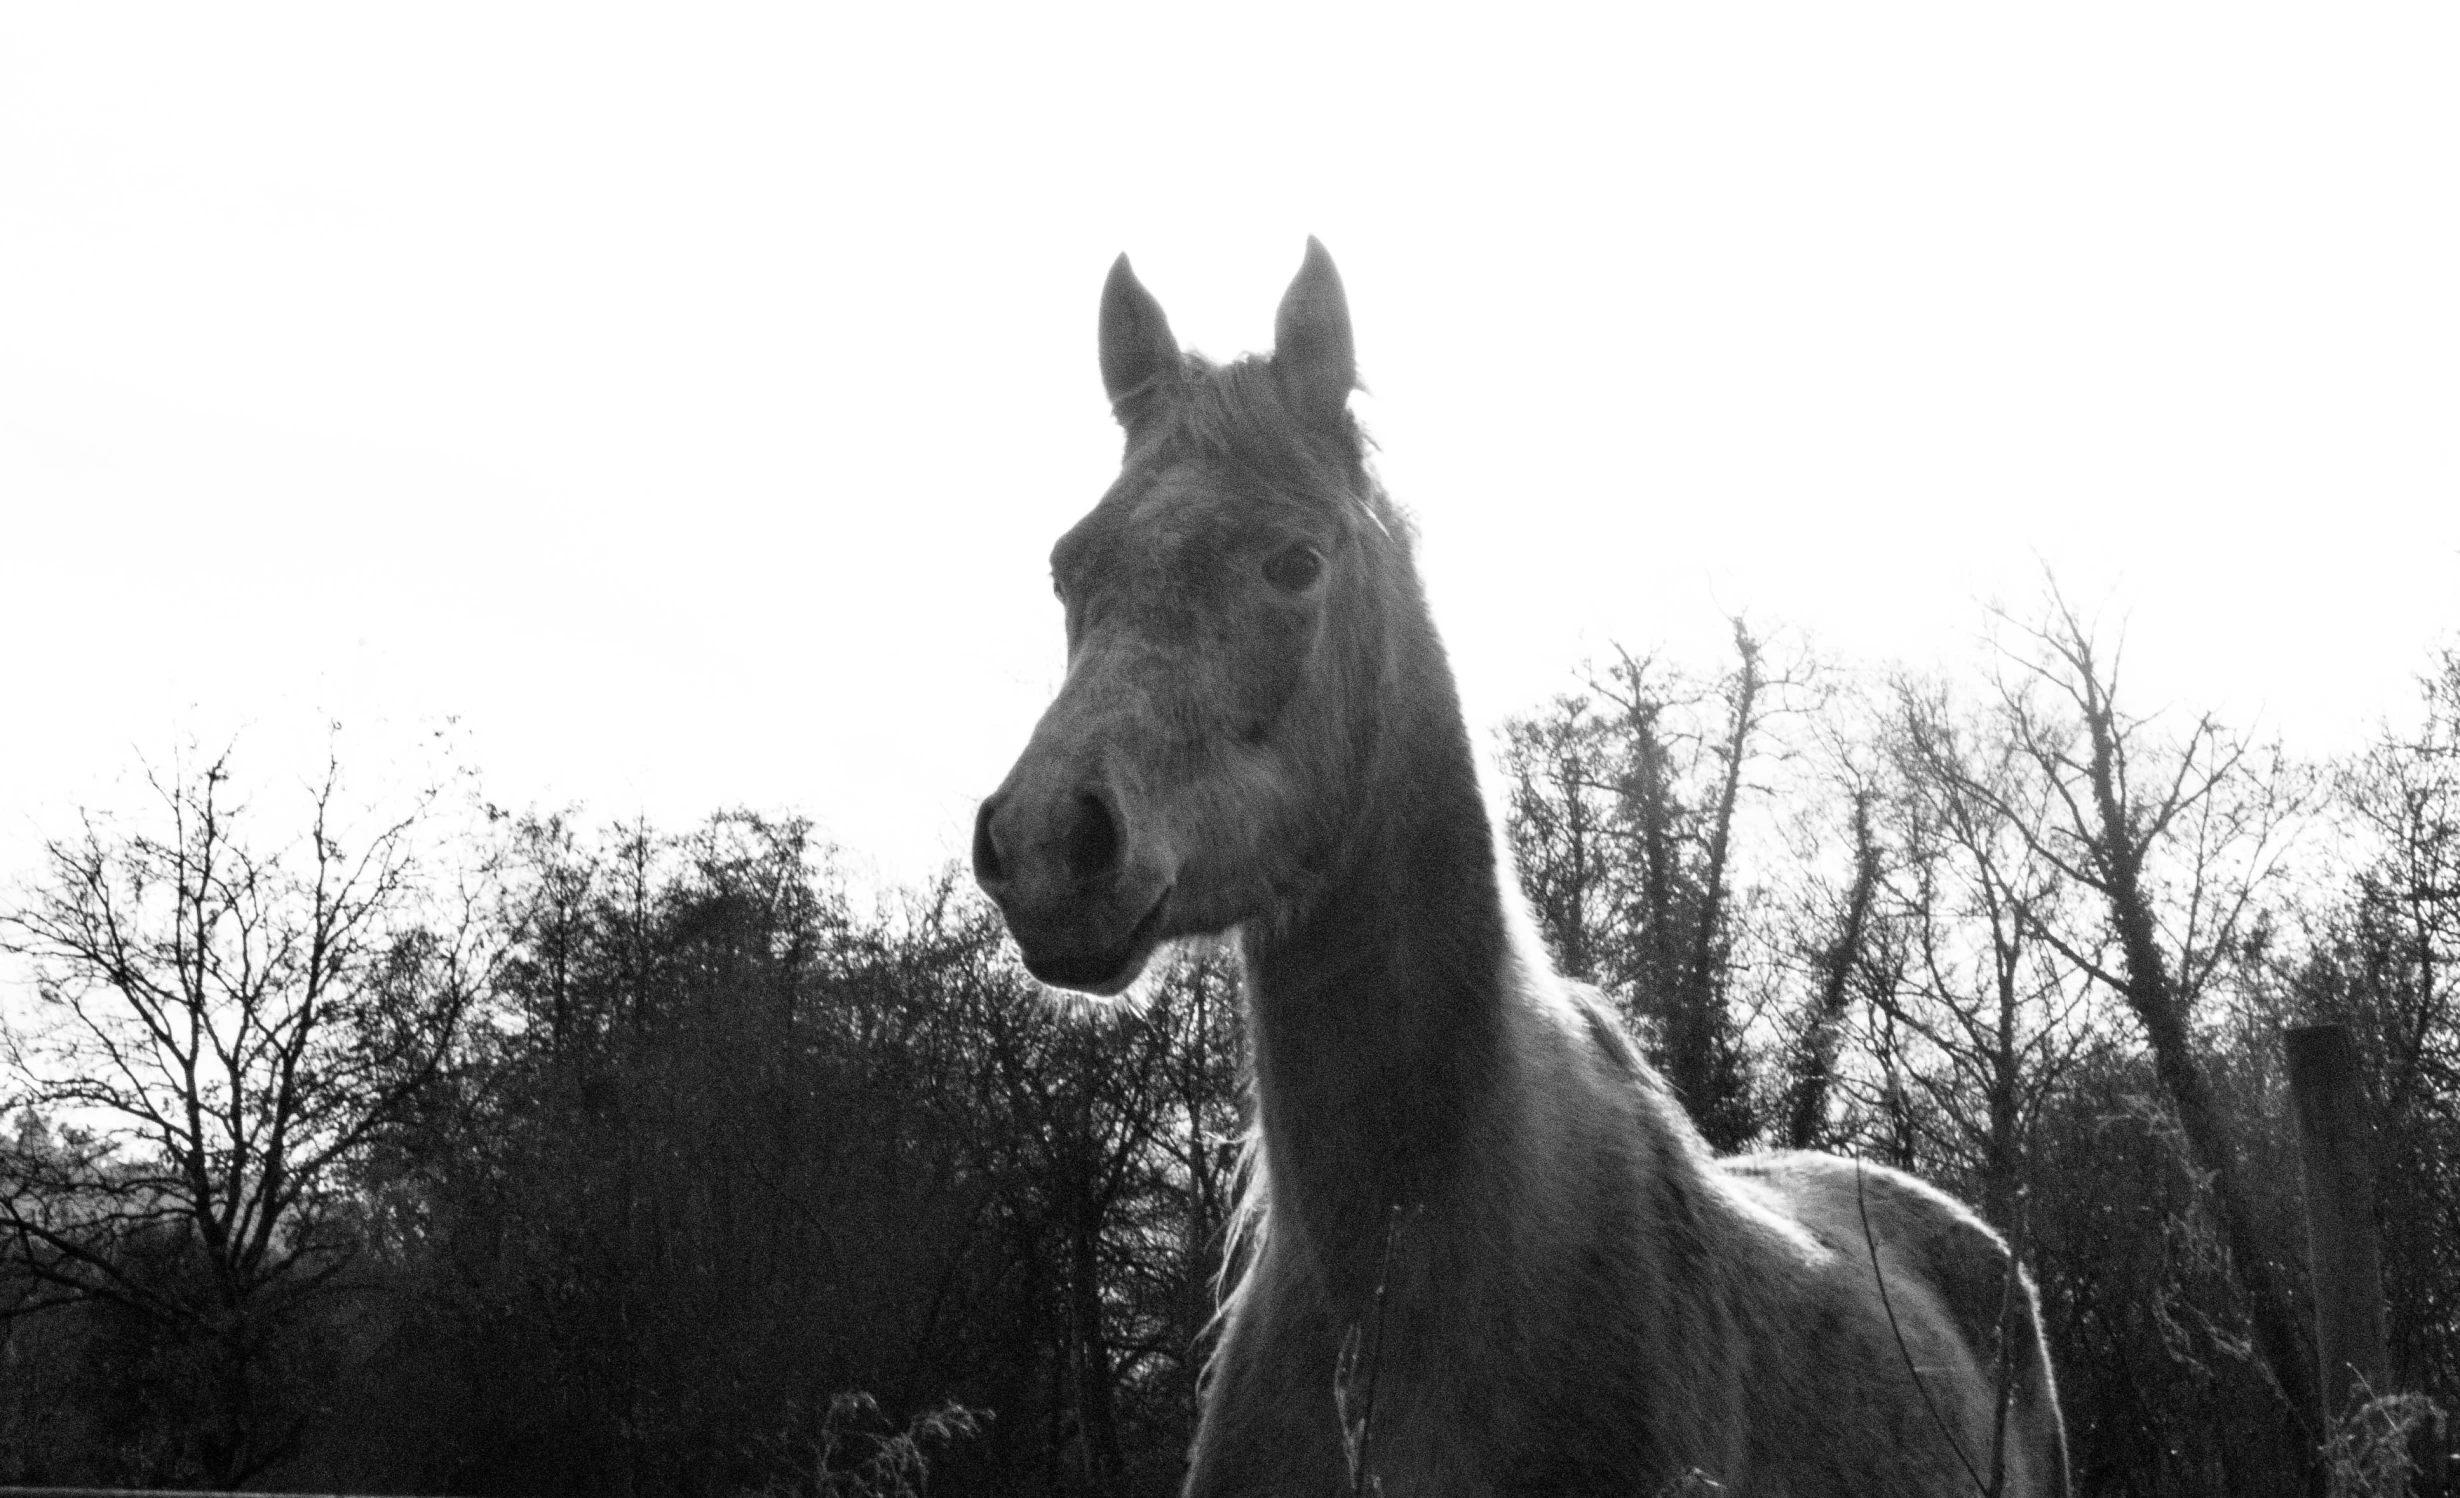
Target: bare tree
column 1814, row 1059
column 1629, row 805
column 1997, row 1010
column 1196, row 1011
column 2403, row 793
column 228, row 1028
column 2175, row 841
column 2380, row 961
column 1688, row 757
column 1562, row 773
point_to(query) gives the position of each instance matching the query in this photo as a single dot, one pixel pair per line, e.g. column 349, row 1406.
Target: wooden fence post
column 2333, row 1156
column 2340, row 1217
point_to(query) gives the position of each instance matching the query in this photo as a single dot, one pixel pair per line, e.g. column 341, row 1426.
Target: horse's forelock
column 1238, row 416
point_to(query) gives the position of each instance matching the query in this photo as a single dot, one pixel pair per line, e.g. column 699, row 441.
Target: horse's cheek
column 1269, row 661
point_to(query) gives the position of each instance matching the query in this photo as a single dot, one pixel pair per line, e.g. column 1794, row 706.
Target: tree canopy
column 583, row 1158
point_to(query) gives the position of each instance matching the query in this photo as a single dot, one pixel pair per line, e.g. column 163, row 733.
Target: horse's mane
column 1243, row 1234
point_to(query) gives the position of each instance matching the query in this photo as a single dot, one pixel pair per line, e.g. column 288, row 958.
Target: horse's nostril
column 1092, row 847
column 987, row 867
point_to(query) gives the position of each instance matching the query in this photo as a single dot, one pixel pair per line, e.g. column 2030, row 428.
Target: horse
column 1486, row 1252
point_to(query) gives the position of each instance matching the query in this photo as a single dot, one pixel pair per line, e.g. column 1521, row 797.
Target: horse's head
column 1224, row 655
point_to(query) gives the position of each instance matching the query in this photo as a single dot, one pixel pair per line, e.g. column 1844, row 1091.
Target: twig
column 2009, row 1302
column 1872, row 1240
column 1355, row 1435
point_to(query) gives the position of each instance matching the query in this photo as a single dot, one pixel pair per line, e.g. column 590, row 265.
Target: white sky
column 686, row 400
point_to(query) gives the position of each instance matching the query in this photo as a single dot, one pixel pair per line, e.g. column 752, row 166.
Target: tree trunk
column 2151, row 993
column 1096, row 1404
column 1661, row 984
column 1815, row 1068
column 1706, row 1072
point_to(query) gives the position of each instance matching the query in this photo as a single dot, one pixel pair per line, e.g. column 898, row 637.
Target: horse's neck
column 1381, row 1010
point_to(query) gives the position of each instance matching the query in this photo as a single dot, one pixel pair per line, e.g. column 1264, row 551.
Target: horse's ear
column 1312, row 355
column 1139, row 355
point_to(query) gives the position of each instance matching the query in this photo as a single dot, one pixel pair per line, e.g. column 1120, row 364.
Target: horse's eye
column 1294, row 569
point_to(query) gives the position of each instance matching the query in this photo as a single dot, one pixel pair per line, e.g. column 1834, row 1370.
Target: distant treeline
column 549, row 1160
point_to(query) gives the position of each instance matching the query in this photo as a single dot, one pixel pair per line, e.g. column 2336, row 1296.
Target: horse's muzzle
column 1085, row 914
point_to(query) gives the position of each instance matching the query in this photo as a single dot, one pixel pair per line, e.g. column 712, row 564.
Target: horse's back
column 1957, row 1255
column 1932, row 1251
